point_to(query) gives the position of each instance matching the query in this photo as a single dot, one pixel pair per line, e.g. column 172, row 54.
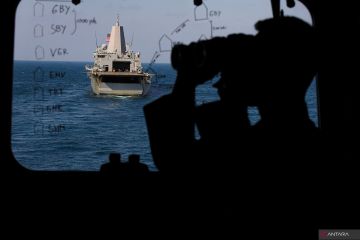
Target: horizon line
column 62, row 61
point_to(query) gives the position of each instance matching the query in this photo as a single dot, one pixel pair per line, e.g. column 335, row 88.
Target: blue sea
column 59, row 124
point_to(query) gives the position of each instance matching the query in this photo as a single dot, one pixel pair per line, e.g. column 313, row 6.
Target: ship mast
column 117, row 38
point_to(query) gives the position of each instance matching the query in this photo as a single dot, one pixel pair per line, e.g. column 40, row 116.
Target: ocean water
column 59, row 124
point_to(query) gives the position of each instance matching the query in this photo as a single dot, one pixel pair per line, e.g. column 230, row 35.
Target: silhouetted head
column 286, row 57
column 115, row 158
column 235, row 67
column 279, row 65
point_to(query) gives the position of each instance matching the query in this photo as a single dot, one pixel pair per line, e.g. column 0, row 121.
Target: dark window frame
column 332, row 120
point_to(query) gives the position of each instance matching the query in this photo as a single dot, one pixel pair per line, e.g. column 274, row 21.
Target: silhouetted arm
column 170, row 123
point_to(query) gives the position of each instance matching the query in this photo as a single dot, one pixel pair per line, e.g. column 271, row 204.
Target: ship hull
column 120, row 84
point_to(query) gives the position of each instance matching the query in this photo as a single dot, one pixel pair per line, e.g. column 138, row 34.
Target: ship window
column 59, row 122
column 121, row 66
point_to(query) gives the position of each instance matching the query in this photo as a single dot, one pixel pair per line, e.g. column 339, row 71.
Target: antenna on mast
column 117, row 20
column 132, row 39
column 96, row 40
column 129, row 44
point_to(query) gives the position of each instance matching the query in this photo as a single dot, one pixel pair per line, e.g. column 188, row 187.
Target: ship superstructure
column 117, row 70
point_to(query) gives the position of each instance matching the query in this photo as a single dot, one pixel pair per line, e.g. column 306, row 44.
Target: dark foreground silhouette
column 266, row 185
column 270, row 165
column 115, row 167
column 264, row 70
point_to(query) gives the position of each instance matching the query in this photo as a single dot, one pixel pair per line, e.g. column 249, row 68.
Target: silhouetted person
column 114, row 166
column 171, row 119
column 285, row 70
column 271, row 70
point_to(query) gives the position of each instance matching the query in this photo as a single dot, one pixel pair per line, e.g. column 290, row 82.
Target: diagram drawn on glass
column 38, row 76
column 50, row 26
column 39, row 9
column 38, row 31
column 39, row 53
column 39, row 94
column 203, row 37
column 38, row 110
column 39, row 128
column 201, row 12
column 180, row 27
column 75, row 22
column 165, row 43
column 45, row 99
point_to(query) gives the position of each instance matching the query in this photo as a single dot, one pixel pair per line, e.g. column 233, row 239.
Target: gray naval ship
column 117, row 69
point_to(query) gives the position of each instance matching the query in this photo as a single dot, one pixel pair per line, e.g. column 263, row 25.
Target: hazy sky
column 45, row 30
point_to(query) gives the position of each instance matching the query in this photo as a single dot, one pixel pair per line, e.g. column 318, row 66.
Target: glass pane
column 60, row 122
